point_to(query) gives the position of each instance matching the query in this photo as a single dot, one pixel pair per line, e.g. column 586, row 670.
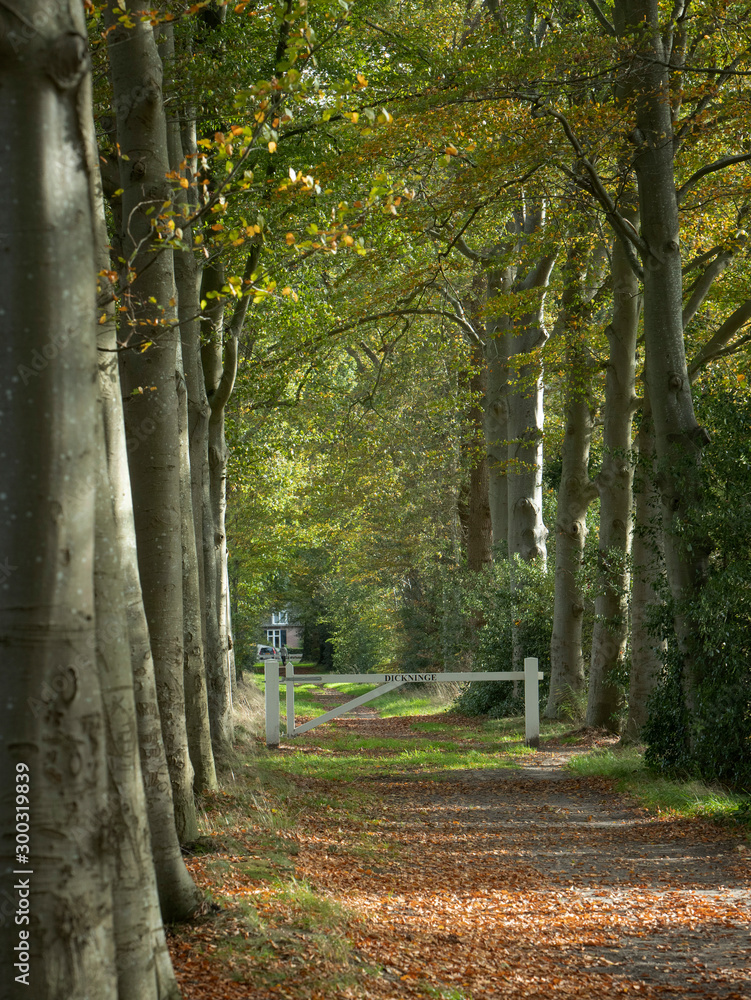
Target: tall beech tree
column 661, row 117
column 219, row 361
column 614, row 486
column 648, row 570
column 71, row 734
column 143, row 964
column 576, row 490
column 182, row 150
column 178, row 896
column 52, row 721
column 678, row 437
column 150, row 375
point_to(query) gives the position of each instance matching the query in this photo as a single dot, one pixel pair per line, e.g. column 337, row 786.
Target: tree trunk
column 526, row 531
column 52, row 725
column 648, row 563
column 150, row 383
column 678, row 437
column 144, row 969
column 191, row 456
column 218, row 495
column 524, row 399
column 178, row 896
column 194, row 676
column 188, row 280
column 575, row 494
column 230, row 636
column 217, row 663
column 526, row 336
column 614, row 485
column 477, row 528
column 496, row 419
column 220, row 368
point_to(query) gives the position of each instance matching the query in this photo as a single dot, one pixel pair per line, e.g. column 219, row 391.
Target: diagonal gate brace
column 347, row 707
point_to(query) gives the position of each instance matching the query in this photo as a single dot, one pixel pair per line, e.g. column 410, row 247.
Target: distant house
column 280, row 629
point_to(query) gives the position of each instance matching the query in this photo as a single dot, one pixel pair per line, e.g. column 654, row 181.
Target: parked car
column 265, row 653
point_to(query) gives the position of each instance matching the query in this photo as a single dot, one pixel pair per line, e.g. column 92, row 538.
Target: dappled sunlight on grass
column 670, row 798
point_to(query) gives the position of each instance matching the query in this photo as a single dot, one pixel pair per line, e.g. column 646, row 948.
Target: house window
column 276, row 637
column 280, row 618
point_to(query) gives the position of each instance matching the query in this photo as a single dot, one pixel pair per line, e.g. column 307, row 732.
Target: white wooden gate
column 388, row 682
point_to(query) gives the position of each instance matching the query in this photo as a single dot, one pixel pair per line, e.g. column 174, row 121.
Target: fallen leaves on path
column 486, row 884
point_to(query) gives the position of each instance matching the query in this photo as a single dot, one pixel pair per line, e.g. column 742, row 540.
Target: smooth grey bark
column 144, row 968
column 194, row 676
column 218, row 507
column 524, row 400
column 52, row 723
column 188, row 279
column 191, row 452
column 524, row 396
column 217, row 662
column 678, row 437
column 479, row 530
column 218, row 397
column 178, row 896
column 614, row 485
column 149, row 380
column 228, row 617
column 648, row 568
column 219, row 355
column 496, row 418
column 527, row 532
column 474, row 509
column 575, row 494
column 514, row 401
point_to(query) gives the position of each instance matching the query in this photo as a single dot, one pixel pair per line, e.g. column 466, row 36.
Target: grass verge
column 663, row 795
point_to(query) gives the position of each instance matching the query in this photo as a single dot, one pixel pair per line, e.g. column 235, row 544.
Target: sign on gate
column 389, row 682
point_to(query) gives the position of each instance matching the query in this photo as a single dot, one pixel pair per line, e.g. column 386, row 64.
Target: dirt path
column 474, row 884
column 528, row 883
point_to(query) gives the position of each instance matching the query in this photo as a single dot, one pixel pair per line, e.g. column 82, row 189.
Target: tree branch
column 596, row 188
column 599, row 14
column 458, row 240
column 703, row 258
column 710, row 168
column 218, row 399
column 704, row 283
column 374, row 317
column 718, row 344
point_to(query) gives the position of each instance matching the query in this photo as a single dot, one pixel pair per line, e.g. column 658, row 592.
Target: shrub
column 712, row 738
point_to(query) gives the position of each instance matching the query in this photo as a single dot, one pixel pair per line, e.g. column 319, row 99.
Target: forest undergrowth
column 427, row 854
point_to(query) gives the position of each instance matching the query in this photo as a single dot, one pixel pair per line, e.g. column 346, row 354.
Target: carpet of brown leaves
column 477, row 885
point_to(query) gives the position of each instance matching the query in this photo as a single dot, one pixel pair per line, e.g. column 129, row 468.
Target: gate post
column 271, row 677
column 531, row 702
column 290, row 699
